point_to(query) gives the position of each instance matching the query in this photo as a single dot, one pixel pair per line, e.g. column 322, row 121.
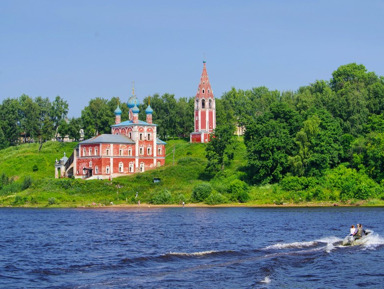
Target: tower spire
column 205, row 109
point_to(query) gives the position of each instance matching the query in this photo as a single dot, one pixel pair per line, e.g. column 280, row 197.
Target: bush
column 35, row 168
column 294, row 183
column 164, row 197
column 243, row 197
column 237, row 187
column 27, row 182
column 216, row 198
column 19, row 200
column 201, row 192
column 51, row 201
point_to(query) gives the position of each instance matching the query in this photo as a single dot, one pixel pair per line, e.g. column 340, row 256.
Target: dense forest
column 328, row 128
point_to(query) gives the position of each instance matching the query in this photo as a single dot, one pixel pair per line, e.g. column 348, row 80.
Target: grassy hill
column 27, row 180
column 32, row 183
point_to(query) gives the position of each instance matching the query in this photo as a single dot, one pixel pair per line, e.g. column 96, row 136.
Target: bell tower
column 205, row 110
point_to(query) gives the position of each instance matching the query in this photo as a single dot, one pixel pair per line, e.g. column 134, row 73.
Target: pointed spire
column 204, row 90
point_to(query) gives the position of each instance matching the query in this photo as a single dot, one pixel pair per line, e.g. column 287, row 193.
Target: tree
column 29, row 117
column 220, row 148
column 9, row 120
column 59, row 111
column 268, row 146
column 97, row 117
column 45, row 127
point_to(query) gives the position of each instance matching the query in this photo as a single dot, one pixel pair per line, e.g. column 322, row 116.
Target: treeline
column 30, row 120
column 25, row 119
column 294, row 138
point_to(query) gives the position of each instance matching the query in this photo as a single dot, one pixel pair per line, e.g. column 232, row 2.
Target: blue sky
column 86, row 49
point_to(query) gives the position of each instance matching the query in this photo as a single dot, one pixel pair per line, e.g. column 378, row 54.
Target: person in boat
column 360, row 231
column 352, row 231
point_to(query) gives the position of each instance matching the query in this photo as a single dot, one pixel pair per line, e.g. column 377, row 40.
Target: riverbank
column 370, row 203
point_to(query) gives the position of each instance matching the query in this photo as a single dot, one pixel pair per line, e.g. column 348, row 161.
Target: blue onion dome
column 149, row 110
column 131, row 101
column 135, row 109
column 118, row 110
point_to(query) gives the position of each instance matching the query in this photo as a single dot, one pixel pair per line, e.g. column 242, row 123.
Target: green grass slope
column 182, row 179
column 19, row 161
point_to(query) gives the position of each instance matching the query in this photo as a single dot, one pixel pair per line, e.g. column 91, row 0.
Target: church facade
column 205, row 110
column 131, row 147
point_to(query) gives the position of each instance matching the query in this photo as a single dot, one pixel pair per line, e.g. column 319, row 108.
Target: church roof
column 149, row 110
column 159, row 141
column 130, row 122
column 118, row 110
column 204, row 90
column 108, row 138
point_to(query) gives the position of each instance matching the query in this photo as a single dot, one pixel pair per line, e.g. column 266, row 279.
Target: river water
column 189, row 248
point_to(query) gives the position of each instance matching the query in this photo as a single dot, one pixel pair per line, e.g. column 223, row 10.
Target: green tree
column 97, row 117
column 220, row 148
column 29, row 113
column 59, row 111
column 9, row 120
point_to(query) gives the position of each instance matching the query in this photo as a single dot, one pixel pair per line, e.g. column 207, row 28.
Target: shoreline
column 201, row 205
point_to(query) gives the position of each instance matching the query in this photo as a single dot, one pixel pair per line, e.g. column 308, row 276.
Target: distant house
column 132, row 147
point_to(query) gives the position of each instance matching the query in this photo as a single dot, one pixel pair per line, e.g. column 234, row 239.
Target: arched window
column 149, row 151
column 210, row 103
column 197, row 104
column 141, row 167
column 96, row 170
column 107, row 152
column 90, row 164
column 96, row 151
column 83, row 152
column 131, row 167
column 203, row 90
column 203, row 103
column 159, row 151
column 107, row 170
column 141, row 150
column 90, row 151
column 129, row 151
column 149, row 136
column 120, row 152
column 121, row 167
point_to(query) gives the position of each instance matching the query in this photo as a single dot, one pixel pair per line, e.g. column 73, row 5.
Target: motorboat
column 356, row 240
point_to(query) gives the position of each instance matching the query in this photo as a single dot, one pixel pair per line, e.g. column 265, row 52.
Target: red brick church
column 132, row 147
column 205, row 110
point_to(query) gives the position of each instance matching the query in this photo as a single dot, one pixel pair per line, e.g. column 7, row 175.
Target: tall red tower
column 205, row 110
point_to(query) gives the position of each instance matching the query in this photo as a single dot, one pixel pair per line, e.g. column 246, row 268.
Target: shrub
column 243, row 197
column 201, row 192
column 35, row 168
column 27, row 182
column 19, row 200
column 51, row 201
column 164, row 197
column 237, row 187
column 216, row 198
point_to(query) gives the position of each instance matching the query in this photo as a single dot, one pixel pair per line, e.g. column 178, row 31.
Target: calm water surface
column 189, row 248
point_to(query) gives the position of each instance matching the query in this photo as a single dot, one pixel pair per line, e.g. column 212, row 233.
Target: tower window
column 210, row 103
column 203, row 90
column 203, row 103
